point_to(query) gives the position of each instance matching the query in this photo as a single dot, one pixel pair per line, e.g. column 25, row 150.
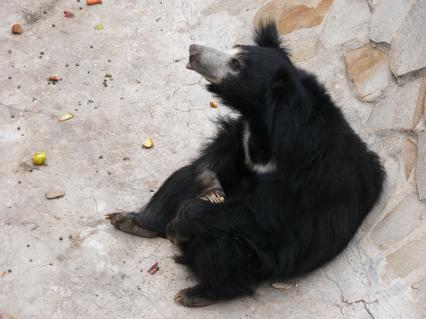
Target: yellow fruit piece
column 99, row 26
column 65, row 117
column 148, row 143
column 39, row 158
column 213, row 104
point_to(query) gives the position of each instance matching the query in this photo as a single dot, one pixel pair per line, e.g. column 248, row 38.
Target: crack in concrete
column 345, row 301
column 11, row 108
column 96, row 202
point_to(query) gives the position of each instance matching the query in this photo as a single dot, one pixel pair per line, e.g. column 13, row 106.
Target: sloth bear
column 279, row 191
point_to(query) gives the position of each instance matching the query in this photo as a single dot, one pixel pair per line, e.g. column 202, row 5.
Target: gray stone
column 276, row 10
column 368, row 68
column 330, row 69
column 387, row 19
column 409, row 156
column 398, row 108
column 399, row 223
column 421, row 166
column 303, row 43
column 408, row 49
column 408, row 258
column 347, row 20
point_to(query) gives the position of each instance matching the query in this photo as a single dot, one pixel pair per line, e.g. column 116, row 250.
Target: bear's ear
column 284, row 78
column 266, row 35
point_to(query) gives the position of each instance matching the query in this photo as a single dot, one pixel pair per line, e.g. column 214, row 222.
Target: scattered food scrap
column 281, row 285
column 3, row 274
column 154, row 268
column 65, row 117
column 92, row 2
column 213, row 105
column 68, row 14
column 17, row 28
column 55, row 194
column 99, row 26
column 54, row 78
column 39, row 158
column 148, row 143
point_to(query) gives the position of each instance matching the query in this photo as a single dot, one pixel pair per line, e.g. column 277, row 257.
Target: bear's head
column 245, row 75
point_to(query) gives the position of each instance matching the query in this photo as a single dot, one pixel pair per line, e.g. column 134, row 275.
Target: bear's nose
column 194, row 49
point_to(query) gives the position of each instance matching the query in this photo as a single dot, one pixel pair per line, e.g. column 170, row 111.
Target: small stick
column 154, row 268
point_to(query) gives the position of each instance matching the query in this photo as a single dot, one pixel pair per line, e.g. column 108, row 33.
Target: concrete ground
column 60, row 259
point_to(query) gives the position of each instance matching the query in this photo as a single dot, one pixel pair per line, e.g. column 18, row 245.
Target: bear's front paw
column 173, row 234
column 215, row 196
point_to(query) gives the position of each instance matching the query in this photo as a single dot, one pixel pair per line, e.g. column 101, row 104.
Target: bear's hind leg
column 196, row 296
column 152, row 219
column 127, row 223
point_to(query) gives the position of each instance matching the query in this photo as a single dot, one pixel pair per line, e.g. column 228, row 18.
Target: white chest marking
column 257, row 168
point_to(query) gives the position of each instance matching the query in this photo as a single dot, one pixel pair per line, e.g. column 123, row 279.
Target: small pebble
column 17, row 29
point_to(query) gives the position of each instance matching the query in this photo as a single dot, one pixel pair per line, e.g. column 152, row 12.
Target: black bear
column 279, row 191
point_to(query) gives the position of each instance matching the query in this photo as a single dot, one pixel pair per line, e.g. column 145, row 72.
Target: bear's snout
column 194, row 56
column 212, row 64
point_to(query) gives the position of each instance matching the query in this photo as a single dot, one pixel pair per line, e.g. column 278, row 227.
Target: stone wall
column 371, row 55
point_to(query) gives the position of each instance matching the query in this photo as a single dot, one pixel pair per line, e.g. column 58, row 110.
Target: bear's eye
column 235, row 64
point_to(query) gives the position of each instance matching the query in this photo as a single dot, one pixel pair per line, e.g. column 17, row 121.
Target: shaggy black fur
column 271, row 225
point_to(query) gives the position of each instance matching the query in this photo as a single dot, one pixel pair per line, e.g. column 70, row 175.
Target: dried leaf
column 68, row 14
column 65, row 117
column 54, row 78
column 281, row 285
column 55, row 194
column 92, row 2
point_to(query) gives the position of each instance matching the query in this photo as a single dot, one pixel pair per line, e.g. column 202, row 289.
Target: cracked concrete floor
column 126, row 82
